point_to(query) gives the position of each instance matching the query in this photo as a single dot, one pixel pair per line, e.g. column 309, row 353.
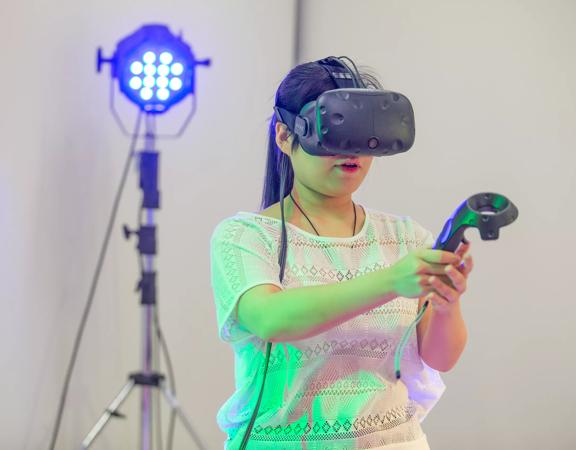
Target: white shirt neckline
column 360, row 233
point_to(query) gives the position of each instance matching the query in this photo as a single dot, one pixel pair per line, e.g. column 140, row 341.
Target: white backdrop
column 492, row 84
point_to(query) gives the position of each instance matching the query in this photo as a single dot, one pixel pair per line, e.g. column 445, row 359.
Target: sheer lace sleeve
column 241, row 257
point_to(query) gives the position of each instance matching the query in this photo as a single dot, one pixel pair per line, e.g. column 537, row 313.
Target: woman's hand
column 447, row 289
column 410, row 276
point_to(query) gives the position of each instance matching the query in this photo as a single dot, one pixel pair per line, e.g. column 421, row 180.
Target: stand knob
column 128, row 232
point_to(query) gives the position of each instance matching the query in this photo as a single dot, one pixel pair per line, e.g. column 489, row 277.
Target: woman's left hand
column 448, row 289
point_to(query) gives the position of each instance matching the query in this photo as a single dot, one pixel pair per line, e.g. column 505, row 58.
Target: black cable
column 95, row 279
column 357, row 75
column 282, row 262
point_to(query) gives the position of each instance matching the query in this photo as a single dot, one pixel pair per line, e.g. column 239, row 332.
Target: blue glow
column 162, row 82
column 175, row 84
column 136, row 67
column 177, row 69
column 155, row 68
column 149, row 57
column 136, row 83
column 149, row 82
column 163, row 94
column 166, row 57
column 150, row 69
column 146, row 93
column 163, row 70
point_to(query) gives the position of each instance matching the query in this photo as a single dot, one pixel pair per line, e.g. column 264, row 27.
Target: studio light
column 155, row 69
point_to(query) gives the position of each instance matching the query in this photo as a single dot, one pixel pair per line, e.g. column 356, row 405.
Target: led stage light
column 155, row 69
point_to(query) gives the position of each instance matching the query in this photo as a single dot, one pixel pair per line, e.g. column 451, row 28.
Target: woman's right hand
column 409, row 276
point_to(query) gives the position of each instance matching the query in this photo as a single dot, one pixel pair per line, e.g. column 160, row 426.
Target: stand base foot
column 146, row 380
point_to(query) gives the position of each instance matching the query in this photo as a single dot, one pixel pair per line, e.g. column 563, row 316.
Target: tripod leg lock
column 115, row 413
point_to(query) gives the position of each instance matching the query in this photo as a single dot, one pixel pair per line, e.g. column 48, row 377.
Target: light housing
column 154, row 68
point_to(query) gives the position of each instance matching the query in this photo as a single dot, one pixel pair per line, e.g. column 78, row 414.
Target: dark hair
column 303, row 84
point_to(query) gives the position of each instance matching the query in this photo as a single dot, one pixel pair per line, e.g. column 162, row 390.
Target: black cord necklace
column 298, row 206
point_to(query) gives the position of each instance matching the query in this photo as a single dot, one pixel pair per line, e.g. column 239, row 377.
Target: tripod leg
column 109, row 412
column 176, row 407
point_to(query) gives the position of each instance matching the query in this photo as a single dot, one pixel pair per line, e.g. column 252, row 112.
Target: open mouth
column 350, row 162
column 348, row 167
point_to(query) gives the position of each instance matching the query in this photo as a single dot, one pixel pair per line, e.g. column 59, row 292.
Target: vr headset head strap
column 342, row 76
column 340, row 73
column 294, row 122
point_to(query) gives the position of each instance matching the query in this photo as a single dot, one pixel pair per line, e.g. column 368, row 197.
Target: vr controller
column 486, row 211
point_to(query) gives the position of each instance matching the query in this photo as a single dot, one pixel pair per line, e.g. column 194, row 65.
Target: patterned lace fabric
column 336, row 390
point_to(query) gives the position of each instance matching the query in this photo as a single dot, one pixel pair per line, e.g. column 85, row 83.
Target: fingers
column 457, row 278
column 450, row 272
column 434, row 269
column 439, row 256
column 451, row 284
column 463, row 248
column 445, row 257
column 466, row 266
column 444, row 290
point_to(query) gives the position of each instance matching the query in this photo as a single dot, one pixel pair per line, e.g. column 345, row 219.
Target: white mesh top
column 336, row 390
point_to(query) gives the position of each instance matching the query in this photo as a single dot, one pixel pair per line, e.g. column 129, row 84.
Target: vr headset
column 352, row 120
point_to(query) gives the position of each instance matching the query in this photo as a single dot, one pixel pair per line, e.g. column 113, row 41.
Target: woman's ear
column 283, row 138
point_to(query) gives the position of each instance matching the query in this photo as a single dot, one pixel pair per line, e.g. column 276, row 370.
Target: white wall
column 492, row 84
column 493, row 88
column 60, row 162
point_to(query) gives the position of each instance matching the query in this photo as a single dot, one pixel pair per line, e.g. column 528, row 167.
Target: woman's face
column 323, row 174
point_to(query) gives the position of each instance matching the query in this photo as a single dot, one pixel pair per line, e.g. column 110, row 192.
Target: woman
column 353, row 281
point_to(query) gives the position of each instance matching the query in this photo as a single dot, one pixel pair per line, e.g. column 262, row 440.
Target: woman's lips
column 349, row 169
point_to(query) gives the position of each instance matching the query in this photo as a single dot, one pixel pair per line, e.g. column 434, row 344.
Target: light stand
column 155, row 70
column 148, row 378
